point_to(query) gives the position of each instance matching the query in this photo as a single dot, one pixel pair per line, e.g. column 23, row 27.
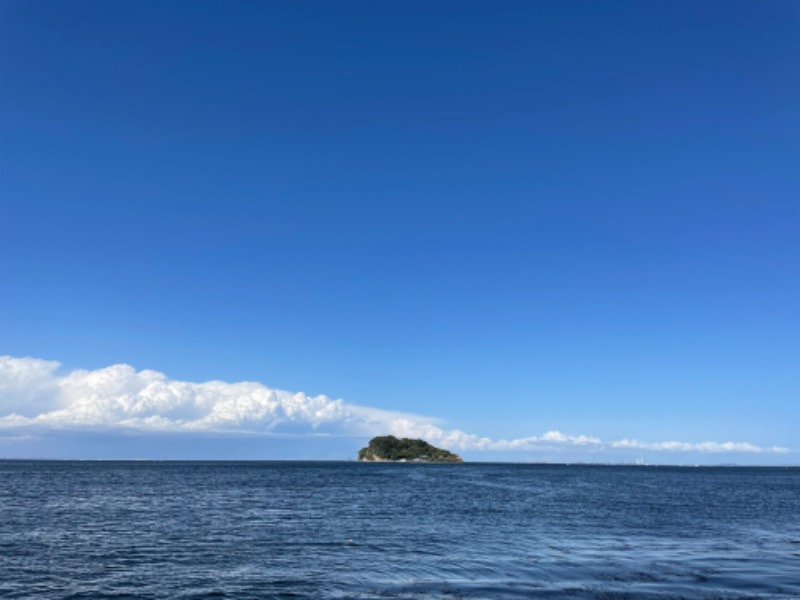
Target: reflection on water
column 254, row 530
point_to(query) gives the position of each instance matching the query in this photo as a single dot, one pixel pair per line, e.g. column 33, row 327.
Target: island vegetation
column 388, row 448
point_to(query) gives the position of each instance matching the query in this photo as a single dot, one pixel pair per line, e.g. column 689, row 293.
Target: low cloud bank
column 33, row 395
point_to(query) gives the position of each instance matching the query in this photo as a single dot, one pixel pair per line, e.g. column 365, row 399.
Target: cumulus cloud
column 459, row 440
column 33, row 394
column 27, row 385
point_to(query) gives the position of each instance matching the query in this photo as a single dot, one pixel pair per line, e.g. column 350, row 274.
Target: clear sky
column 527, row 230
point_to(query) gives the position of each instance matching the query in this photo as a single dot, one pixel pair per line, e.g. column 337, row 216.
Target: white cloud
column 121, row 397
column 34, row 395
column 27, row 385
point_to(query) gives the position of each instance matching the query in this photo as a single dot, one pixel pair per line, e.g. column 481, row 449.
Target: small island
column 388, row 448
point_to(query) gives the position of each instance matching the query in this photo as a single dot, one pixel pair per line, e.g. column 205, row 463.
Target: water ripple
column 344, row 530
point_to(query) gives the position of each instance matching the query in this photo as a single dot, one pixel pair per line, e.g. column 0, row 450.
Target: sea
column 101, row 529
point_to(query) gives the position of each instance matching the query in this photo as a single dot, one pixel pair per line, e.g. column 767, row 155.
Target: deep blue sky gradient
column 516, row 216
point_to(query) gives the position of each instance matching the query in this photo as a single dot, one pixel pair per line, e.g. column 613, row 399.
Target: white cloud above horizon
column 35, row 396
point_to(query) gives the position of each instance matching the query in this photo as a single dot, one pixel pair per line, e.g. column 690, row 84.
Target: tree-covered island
column 388, row 448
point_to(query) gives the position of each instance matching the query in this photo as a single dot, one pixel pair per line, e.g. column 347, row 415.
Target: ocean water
column 351, row 530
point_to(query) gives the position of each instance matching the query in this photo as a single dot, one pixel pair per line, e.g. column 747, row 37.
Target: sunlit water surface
column 349, row 530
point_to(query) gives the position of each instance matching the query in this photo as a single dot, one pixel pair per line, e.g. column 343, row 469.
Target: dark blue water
column 349, row 530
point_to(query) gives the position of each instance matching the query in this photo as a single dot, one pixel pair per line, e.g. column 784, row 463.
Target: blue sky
column 496, row 219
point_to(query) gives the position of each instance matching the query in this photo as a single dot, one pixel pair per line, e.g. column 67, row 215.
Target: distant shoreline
column 351, row 461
